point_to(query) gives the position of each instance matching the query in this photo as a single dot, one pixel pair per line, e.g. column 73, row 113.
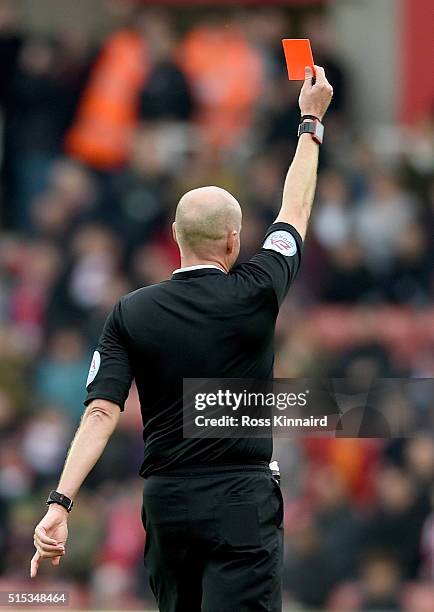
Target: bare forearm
column 300, row 184
column 97, row 425
column 87, row 447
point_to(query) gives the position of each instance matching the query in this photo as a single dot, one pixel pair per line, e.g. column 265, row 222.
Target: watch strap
column 58, row 498
column 312, row 117
column 314, row 128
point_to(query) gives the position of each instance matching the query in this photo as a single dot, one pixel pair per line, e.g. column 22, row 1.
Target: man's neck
column 188, row 262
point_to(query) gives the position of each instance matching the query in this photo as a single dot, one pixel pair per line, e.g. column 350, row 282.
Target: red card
column 298, row 55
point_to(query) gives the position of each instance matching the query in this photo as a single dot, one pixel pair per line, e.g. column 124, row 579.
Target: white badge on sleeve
column 282, row 242
column 94, row 367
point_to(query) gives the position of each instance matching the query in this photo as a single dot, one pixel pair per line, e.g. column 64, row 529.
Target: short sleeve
column 110, row 374
column 277, row 263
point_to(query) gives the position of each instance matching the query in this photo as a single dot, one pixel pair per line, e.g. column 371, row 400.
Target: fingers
column 46, row 545
column 46, row 552
column 36, row 561
column 321, row 80
column 48, row 548
column 320, row 74
column 34, row 564
column 41, row 535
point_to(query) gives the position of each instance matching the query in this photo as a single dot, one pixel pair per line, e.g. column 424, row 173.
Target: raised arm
column 300, row 182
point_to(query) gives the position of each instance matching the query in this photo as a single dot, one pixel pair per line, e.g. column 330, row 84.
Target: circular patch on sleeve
column 282, row 242
column 94, row 368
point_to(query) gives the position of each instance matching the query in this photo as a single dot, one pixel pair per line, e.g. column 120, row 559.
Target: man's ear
column 174, row 232
column 232, row 238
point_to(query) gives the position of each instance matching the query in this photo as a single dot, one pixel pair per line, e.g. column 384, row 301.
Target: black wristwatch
column 314, row 127
column 58, row 498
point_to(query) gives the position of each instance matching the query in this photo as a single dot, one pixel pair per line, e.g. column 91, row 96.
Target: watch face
column 319, row 132
column 59, row 498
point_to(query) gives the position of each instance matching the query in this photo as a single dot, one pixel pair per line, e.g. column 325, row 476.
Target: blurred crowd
column 100, row 137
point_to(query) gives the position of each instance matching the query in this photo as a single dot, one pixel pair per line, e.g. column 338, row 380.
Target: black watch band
column 312, row 117
column 58, row 498
column 314, row 128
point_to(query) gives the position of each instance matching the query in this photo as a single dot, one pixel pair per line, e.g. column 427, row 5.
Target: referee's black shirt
column 202, row 323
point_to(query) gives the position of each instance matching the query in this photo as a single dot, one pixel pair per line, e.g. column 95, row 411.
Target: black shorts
column 214, row 539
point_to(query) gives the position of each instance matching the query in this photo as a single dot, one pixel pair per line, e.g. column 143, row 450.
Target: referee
column 211, row 508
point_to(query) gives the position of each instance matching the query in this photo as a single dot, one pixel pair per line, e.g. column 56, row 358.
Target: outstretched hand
column 315, row 96
column 50, row 538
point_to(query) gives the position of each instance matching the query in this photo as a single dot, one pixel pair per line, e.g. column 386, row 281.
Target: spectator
column 396, row 523
column 380, row 583
column 60, row 374
column 419, row 459
column 94, row 258
column 72, row 196
column 264, row 183
column 142, row 194
column 337, row 522
column 307, row 557
column 44, row 440
column 34, row 279
column 280, row 122
column 265, row 26
column 347, row 279
column 166, row 93
column 380, row 220
column 108, row 110
column 409, row 278
column 333, row 218
column 226, row 73
column 38, row 114
column 319, row 30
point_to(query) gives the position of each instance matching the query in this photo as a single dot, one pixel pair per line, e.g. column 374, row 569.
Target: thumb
column 308, row 73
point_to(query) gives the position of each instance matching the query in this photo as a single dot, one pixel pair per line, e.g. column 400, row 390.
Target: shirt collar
column 198, row 267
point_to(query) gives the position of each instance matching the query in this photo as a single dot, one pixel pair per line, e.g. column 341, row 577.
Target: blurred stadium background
column 112, row 109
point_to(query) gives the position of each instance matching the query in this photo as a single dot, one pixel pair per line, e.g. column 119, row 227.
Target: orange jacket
column 227, row 75
column 108, row 111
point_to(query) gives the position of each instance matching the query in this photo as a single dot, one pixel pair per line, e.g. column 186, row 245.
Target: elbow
column 101, row 414
column 97, row 415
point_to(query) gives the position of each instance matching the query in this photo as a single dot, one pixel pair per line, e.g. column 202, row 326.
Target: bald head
column 206, row 218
